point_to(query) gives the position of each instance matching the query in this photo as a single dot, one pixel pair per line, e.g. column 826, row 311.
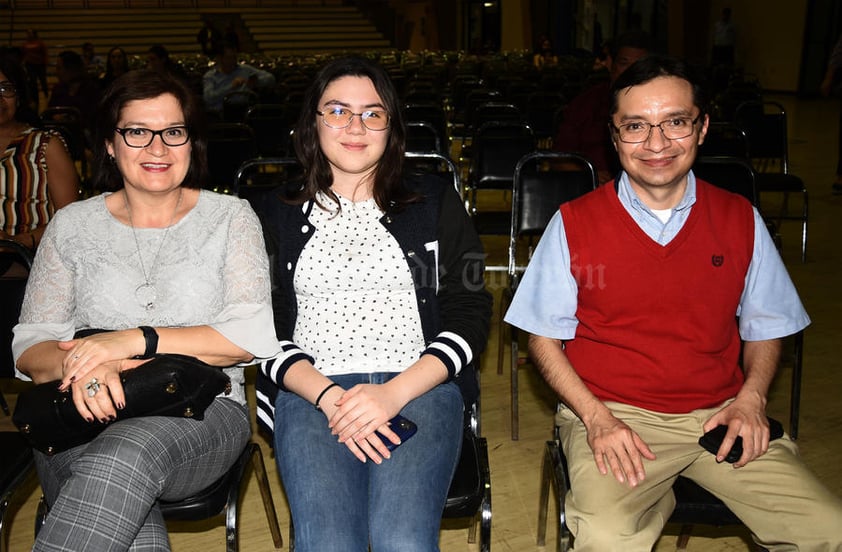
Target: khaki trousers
column 778, row 498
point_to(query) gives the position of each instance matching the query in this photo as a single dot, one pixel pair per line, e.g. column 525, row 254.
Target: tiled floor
column 515, row 464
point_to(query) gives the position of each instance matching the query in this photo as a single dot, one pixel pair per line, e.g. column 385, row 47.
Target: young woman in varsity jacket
column 381, row 310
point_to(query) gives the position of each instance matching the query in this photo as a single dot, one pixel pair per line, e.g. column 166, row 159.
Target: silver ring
column 92, row 387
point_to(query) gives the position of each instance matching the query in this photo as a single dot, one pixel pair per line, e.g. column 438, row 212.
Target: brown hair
column 144, row 85
column 389, row 190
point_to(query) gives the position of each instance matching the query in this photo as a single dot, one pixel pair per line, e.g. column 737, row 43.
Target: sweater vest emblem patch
column 717, row 260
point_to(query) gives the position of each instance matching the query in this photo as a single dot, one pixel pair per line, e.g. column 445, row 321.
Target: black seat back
column 421, row 136
column 731, row 173
column 15, row 262
column 726, row 139
column 497, row 148
column 268, row 121
column 765, row 126
column 433, row 163
column 258, row 179
column 540, row 188
column 229, row 146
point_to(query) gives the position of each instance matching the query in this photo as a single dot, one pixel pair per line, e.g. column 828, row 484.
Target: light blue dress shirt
column 217, row 84
column 545, row 302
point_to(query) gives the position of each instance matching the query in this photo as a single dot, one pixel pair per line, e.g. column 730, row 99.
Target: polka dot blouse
column 357, row 308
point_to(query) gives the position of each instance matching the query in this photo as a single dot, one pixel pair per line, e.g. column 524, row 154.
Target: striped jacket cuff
column 276, row 367
column 452, row 350
column 265, row 413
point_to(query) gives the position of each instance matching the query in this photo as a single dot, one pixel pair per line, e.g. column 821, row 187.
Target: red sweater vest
column 657, row 324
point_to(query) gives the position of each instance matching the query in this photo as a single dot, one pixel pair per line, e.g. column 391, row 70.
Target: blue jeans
column 340, row 504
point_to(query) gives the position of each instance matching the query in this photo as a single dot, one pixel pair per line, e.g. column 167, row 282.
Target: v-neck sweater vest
column 657, row 323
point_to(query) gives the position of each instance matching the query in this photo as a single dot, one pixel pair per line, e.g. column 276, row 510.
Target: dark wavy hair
column 390, row 193
column 15, row 73
column 654, row 66
column 145, row 85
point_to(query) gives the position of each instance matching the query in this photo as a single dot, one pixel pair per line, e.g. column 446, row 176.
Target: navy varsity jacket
column 445, row 257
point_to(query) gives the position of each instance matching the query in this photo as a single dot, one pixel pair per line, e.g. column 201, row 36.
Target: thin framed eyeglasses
column 339, row 117
column 139, row 137
column 8, row 90
column 672, row 129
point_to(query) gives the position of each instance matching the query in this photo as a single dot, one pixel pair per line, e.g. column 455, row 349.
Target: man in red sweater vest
column 638, row 299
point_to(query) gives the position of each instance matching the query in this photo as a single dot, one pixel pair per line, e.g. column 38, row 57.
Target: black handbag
column 168, row 385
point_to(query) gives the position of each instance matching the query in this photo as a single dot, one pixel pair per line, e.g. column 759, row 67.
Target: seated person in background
column 116, row 65
column 227, row 76
column 170, row 268
column 75, row 87
column 637, row 323
column 381, row 308
column 545, row 56
column 602, row 60
column 37, row 175
column 94, row 64
column 158, row 59
column 583, row 128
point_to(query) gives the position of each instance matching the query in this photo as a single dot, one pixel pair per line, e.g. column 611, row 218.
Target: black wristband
column 151, row 337
column 322, row 394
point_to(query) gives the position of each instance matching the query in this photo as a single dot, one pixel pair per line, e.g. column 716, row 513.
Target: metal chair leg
column 514, row 385
column 501, row 333
column 472, row 530
column 804, row 211
column 544, row 497
column 266, row 495
column 553, row 473
column 795, row 401
column 684, row 536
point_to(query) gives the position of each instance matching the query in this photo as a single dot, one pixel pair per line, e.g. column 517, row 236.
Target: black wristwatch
column 151, row 337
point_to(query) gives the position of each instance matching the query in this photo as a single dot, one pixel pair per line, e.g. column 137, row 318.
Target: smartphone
column 403, row 427
column 712, row 440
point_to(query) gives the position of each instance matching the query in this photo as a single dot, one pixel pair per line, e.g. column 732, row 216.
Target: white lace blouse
column 212, row 270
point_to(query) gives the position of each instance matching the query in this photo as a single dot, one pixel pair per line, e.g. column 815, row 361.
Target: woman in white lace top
column 170, row 268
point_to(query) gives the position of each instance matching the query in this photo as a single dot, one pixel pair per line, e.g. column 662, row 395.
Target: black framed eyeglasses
column 8, row 90
column 675, row 128
column 139, row 137
column 339, row 117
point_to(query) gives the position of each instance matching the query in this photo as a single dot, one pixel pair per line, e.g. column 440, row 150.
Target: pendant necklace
column 145, row 292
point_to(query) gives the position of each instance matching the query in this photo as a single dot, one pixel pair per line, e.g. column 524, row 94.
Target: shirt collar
column 632, row 202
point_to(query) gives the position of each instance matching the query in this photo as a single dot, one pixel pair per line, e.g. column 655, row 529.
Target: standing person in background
column 37, row 175
column 209, row 38
column 598, row 39
column 381, row 308
column 724, row 40
column 833, row 79
column 230, row 36
column 35, row 59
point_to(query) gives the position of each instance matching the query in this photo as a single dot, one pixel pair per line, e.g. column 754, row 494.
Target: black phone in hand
column 712, row 440
column 403, row 427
